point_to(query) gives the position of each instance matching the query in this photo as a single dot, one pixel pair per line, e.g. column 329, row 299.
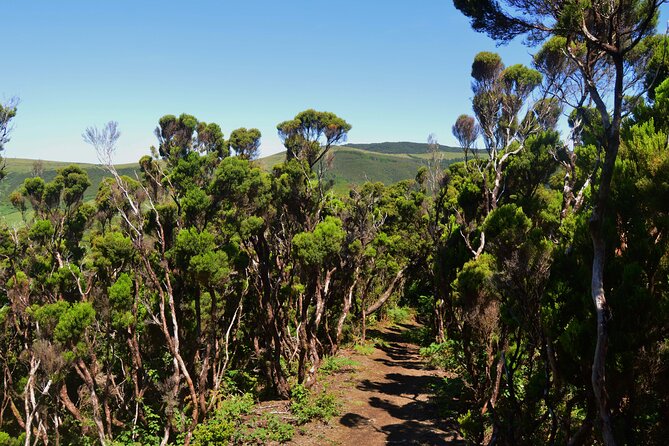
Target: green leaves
column 245, row 142
column 311, row 133
column 64, row 321
column 195, row 252
column 317, row 247
column 121, row 297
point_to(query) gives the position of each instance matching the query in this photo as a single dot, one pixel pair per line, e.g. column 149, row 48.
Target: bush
column 226, row 422
column 419, row 335
column 267, row 428
column 442, row 356
column 471, row 426
column 8, row 440
column 399, row 315
column 306, row 406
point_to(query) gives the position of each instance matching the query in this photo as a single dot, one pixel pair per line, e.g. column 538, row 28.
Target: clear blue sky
column 395, row 70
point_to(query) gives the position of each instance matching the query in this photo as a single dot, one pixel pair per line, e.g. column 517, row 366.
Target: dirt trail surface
column 386, row 401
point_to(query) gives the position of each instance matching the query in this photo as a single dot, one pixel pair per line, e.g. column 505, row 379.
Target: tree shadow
column 354, row 420
column 410, row 398
column 395, row 346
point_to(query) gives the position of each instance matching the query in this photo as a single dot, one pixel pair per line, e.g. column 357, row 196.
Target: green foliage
column 366, row 349
column 245, row 142
column 66, row 322
column 121, row 295
column 470, row 426
column 235, row 422
column 399, row 315
column 324, row 242
column 223, row 426
column 336, row 364
column 310, row 135
column 8, row 440
column 444, row 356
column 306, row 406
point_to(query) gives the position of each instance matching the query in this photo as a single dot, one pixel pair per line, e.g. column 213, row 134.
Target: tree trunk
column 386, row 294
column 348, row 302
column 612, row 144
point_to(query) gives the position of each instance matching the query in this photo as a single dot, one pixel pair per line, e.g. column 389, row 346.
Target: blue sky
column 395, row 70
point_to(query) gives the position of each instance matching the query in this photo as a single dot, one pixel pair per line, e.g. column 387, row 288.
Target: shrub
column 222, row 427
column 306, row 406
column 267, row 428
column 399, row 315
column 8, row 440
column 444, row 356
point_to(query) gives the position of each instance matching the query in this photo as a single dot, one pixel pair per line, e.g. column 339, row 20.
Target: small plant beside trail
column 443, row 356
column 307, row 406
column 365, row 349
column 399, row 315
column 239, row 420
column 337, row 364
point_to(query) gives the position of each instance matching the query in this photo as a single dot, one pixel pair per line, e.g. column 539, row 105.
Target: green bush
column 225, row 424
column 8, row 440
column 399, row 315
column 471, row 426
column 262, row 430
column 419, row 335
column 444, row 356
column 306, row 406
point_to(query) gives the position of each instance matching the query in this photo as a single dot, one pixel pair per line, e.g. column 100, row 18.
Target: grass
column 366, row 349
column 337, row 364
column 352, row 166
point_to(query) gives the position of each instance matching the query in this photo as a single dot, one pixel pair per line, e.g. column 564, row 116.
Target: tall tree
column 310, row 135
column 7, row 113
column 599, row 37
column 245, row 142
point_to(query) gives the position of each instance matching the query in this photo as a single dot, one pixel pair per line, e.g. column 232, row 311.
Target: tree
column 598, row 38
column 245, row 142
column 7, row 113
column 466, row 131
column 311, row 134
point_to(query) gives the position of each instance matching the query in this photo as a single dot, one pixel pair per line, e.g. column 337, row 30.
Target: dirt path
column 386, row 401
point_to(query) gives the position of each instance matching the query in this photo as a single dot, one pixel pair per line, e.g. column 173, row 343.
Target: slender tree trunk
column 612, row 144
column 348, row 302
column 386, row 294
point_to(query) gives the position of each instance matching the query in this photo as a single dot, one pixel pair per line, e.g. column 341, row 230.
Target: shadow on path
column 399, row 405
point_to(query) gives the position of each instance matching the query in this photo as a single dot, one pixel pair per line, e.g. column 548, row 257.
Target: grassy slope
column 384, row 162
column 19, row 169
column 402, row 147
column 352, row 165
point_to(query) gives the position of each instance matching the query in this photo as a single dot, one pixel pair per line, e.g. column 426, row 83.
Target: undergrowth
column 337, row 364
column 307, row 406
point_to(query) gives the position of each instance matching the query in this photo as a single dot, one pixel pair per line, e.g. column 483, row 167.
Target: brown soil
column 386, row 401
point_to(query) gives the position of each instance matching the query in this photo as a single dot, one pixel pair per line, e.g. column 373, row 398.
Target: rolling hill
column 352, row 164
column 19, row 169
column 384, row 162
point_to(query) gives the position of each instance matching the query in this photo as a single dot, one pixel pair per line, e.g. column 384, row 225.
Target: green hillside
column 401, row 147
column 384, row 162
column 19, row 169
column 355, row 165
